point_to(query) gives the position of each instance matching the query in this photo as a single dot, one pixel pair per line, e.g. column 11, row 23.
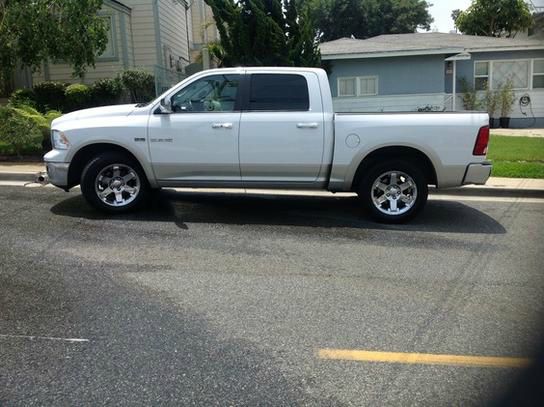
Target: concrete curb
column 18, row 176
column 494, row 191
column 491, row 191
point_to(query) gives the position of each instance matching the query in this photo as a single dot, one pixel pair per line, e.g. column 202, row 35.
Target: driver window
column 215, row 93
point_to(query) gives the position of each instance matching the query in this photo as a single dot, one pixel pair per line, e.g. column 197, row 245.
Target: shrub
column 491, row 101
column 470, row 97
column 77, row 96
column 140, row 85
column 506, row 98
column 106, row 92
column 17, row 129
column 41, row 121
column 50, row 95
column 23, row 97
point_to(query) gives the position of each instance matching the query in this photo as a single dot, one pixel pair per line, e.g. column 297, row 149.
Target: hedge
column 22, row 127
column 77, row 97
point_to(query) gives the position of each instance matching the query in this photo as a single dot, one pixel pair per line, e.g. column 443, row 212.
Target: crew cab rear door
column 281, row 128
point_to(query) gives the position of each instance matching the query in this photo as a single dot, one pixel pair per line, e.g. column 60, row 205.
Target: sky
column 441, row 11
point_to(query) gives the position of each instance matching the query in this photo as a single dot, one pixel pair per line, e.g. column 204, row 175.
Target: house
column 204, row 28
column 154, row 35
column 410, row 72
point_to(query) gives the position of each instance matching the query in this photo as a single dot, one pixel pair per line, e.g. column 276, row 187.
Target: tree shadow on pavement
column 184, row 208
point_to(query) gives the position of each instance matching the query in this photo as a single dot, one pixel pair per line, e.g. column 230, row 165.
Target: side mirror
column 166, row 105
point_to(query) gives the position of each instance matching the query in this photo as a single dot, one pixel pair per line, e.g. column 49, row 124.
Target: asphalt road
column 210, row 299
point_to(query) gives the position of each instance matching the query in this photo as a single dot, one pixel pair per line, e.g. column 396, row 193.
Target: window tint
column 280, row 92
column 215, row 93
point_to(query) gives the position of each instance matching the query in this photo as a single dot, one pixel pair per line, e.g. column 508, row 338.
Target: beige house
column 155, row 35
column 203, row 25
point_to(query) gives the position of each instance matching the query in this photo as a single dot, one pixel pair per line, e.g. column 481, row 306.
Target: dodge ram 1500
column 265, row 128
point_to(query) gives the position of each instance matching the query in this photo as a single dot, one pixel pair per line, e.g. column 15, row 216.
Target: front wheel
column 394, row 191
column 115, row 183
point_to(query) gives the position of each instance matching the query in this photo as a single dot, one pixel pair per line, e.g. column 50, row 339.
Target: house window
column 515, row 71
column 358, row 86
column 347, row 87
column 481, row 75
column 538, row 73
column 368, row 86
column 109, row 52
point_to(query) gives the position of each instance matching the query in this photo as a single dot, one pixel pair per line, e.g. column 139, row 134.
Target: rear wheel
column 394, row 191
column 115, row 183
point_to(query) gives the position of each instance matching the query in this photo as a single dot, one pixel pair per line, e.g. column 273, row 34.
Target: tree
column 264, row 32
column 34, row 31
column 368, row 18
column 455, row 14
column 494, row 18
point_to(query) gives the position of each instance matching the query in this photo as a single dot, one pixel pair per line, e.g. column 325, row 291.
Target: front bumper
column 477, row 173
column 58, row 173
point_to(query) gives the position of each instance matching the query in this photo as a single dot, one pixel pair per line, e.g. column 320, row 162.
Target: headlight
column 59, row 140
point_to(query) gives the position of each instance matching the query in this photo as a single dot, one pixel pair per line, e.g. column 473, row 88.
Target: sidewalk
column 518, row 132
column 26, row 172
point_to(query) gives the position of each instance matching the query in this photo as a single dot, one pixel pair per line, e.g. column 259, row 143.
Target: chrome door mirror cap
column 166, row 105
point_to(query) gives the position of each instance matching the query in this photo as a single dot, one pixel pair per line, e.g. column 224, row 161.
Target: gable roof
column 421, row 44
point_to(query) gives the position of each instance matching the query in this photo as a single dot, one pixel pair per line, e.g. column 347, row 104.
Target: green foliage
column 23, row 97
column 17, row 129
column 38, row 30
column 41, row 121
column 470, row 96
column 77, row 96
column 506, row 98
column 264, row 32
column 367, row 18
column 50, row 95
column 494, row 18
column 140, row 85
column 106, row 92
column 491, row 101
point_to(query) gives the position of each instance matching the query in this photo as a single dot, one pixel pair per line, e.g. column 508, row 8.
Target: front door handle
column 307, row 125
column 222, row 125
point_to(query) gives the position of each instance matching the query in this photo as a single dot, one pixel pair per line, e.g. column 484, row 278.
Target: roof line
column 118, row 3
column 435, row 51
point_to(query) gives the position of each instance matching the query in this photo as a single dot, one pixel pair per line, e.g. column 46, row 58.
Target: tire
column 114, row 183
column 394, row 191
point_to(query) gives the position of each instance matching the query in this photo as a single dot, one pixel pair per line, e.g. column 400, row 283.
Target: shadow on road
column 183, row 208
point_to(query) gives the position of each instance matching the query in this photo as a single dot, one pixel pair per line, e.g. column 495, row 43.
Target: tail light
column 480, row 148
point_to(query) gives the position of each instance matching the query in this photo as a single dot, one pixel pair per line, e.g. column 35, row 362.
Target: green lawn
column 517, row 157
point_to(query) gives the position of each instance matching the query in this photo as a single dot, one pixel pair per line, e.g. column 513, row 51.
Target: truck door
column 198, row 142
column 281, row 128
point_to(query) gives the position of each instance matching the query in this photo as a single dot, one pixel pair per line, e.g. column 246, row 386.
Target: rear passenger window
column 278, row 92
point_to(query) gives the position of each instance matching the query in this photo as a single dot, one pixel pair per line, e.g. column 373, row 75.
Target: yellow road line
column 422, row 358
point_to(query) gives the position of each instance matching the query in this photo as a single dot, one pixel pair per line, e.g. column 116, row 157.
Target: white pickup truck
column 265, row 128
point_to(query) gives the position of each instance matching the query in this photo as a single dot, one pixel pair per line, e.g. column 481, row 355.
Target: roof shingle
column 421, row 43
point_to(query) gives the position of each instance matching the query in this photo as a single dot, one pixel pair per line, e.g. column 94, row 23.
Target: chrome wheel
column 394, row 193
column 117, row 185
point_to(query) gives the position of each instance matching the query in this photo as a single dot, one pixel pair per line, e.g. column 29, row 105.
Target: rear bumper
column 477, row 173
column 58, row 173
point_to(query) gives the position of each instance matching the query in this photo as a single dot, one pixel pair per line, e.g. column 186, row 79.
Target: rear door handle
column 222, row 125
column 307, row 125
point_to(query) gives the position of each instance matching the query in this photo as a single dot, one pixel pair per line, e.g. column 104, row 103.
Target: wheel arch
column 411, row 154
column 82, row 157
